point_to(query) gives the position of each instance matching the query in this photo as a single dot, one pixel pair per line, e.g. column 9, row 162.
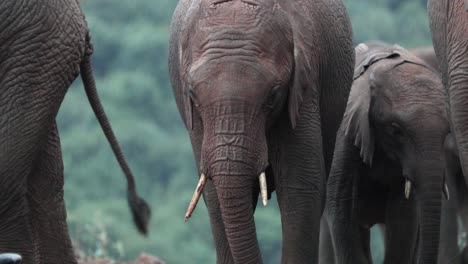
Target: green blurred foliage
column 130, row 58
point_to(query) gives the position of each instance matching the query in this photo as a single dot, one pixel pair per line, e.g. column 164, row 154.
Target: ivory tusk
column 407, row 189
column 263, row 188
column 446, row 192
column 195, row 197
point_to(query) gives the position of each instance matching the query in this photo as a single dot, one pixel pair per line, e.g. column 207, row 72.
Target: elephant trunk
column 341, row 201
column 458, row 96
column 234, row 155
column 236, row 204
column 429, row 195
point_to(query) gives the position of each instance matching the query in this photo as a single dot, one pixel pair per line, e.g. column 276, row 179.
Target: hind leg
column 28, row 107
column 45, row 197
column 326, row 253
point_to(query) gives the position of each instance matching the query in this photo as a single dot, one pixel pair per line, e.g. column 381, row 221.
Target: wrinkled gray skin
column 262, row 85
column 44, row 45
column 449, row 26
column 393, row 130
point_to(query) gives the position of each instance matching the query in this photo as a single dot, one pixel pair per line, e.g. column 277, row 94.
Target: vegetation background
column 131, row 48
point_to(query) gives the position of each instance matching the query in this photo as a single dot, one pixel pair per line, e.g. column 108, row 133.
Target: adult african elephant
column 388, row 163
column 261, row 86
column 449, row 26
column 44, row 45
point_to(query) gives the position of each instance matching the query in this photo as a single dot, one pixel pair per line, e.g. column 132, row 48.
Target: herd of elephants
column 275, row 97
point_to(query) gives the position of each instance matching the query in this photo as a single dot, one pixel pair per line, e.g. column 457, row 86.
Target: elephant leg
column 461, row 197
column 23, row 130
column 326, row 253
column 400, row 227
column 299, row 174
column 366, row 243
column 448, row 247
column 45, row 197
column 15, row 231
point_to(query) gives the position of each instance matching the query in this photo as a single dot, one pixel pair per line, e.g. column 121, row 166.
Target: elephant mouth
column 202, row 182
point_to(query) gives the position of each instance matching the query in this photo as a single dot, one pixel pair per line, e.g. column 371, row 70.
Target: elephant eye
column 273, row 97
column 396, row 130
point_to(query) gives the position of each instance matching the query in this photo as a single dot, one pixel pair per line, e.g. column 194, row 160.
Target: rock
column 148, row 259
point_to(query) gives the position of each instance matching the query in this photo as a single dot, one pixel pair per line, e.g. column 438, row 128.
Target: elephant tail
column 140, row 209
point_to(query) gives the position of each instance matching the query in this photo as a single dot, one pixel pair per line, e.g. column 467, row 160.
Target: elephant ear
column 187, row 25
column 188, row 104
column 356, row 117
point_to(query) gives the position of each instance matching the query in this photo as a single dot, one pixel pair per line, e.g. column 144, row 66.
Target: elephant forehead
column 243, row 14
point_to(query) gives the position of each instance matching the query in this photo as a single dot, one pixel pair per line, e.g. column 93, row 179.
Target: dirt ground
column 143, row 259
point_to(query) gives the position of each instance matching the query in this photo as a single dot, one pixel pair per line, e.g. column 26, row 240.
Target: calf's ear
column 356, row 119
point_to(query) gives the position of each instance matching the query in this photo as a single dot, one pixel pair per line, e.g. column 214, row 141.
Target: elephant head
column 395, row 109
column 236, row 80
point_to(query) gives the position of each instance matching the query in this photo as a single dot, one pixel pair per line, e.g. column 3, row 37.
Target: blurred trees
column 131, row 45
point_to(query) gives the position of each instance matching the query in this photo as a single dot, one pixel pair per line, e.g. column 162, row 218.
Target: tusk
column 446, row 192
column 407, row 189
column 195, row 197
column 263, row 188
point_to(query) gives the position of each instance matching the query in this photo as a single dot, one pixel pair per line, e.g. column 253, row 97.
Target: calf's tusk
column 407, row 189
column 263, row 188
column 195, row 197
column 446, row 192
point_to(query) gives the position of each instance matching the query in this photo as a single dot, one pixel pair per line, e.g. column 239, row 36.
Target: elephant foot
column 10, row 258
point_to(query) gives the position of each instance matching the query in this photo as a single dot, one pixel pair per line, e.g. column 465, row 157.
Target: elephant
column 261, row 86
column 448, row 21
column 44, row 46
column 10, row 258
column 388, row 162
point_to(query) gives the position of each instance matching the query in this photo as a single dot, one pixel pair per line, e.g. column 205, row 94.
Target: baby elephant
column 10, row 258
column 388, row 164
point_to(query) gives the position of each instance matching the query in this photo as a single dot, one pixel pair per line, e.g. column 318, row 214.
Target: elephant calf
column 388, row 162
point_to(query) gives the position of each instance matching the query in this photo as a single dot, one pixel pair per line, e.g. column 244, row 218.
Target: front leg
column 297, row 160
column 326, row 254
